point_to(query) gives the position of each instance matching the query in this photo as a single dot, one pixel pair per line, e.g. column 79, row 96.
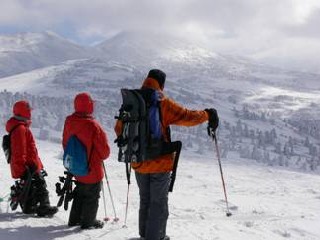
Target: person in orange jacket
column 87, row 191
column 153, row 176
column 25, row 162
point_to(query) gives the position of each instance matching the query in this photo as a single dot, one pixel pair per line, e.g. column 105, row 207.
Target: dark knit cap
column 157, row 75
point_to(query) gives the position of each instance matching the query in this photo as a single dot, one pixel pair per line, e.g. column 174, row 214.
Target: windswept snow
column 283, row 100
column 34, row 81
column 266, row 203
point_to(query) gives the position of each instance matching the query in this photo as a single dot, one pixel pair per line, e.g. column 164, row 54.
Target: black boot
column 76, row 209
column 165, row 238
column 42, row 196
column 142, row 238
column 46, row 211
column 96, row 224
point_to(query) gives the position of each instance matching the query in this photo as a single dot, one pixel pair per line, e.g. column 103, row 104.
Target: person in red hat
column 87, row 191
column 25, row 162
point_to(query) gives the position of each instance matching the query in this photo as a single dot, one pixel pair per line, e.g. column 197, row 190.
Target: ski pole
column 4, row 197
column 116, row 219
column 214, row 138
column 7, row 197
column 127, row 203
column 106, row 218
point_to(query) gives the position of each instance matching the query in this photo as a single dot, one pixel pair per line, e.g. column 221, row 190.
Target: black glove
column 39, row 177
column 213, row 122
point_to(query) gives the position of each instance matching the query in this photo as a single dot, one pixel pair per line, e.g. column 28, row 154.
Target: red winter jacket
column 23, row 148
column 91, row 134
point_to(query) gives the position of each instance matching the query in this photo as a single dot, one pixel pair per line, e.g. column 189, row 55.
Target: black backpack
column 6, row 145
column 141, row 138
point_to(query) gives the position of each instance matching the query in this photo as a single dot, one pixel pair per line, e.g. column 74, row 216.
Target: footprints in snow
column 232, row 206
column 282, row 233
column 314, row 192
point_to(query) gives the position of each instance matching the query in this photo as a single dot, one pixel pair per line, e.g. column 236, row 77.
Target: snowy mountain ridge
column 28, row 51
column 21, row 41
column 267, row 114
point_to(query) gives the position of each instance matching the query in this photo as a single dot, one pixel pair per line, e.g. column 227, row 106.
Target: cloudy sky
column 282, row 32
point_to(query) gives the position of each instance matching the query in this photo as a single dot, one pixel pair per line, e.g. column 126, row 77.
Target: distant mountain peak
column 143, row 48
column 27, row 51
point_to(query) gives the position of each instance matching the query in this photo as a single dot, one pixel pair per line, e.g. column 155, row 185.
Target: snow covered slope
column 266, row 203
column 28, row 51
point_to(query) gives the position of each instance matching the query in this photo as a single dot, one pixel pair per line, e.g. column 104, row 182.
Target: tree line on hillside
column 277, row 143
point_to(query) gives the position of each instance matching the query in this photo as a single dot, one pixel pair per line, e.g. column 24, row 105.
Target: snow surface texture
column 266, row 203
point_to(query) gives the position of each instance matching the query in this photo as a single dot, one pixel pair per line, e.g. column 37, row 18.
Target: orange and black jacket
column 172, row 114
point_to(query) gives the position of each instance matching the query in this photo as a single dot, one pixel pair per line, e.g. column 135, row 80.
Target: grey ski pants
column 153, row 212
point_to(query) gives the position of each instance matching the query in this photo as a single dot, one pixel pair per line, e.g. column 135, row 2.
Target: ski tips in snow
column 228, row 214
column 107, row 219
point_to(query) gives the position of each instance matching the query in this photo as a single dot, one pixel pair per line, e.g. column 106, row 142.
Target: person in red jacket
column 25, row 161
column 87, row 191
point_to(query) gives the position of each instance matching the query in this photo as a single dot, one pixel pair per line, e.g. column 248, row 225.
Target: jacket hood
column 22, row 109
column 13, row 122
column 83, row 103
column 151, row 83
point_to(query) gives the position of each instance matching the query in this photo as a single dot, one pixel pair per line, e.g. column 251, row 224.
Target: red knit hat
column 83, row 103
column 22, row 109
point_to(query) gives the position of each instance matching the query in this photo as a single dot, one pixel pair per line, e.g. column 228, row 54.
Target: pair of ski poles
column 213, row 135
column 106, row 218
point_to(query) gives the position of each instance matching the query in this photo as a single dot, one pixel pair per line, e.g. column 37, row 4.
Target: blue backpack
column 75, row 158
column 154, row 116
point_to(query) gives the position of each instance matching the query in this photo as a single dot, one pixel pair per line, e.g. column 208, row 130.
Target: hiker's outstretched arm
column 175, row 114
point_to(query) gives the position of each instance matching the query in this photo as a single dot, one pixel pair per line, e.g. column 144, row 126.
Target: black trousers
column 153, row 212
column 38, row 195
column 85, row 204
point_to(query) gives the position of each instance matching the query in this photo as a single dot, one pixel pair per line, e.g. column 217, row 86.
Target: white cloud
column 250, row 27
column 303, row 9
